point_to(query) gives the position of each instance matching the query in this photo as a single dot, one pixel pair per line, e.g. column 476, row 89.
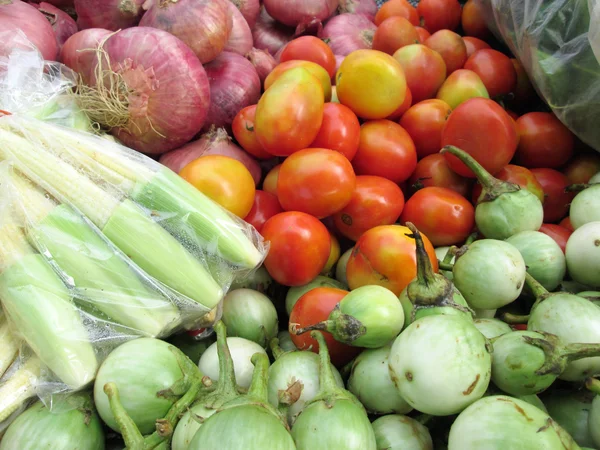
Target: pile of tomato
column 351, row 148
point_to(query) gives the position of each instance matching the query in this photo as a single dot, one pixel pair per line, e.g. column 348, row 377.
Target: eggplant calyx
column 554, row 362
column 346, row 328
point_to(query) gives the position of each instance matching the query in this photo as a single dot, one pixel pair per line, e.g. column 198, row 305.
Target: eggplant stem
column 445, row 266
column 539, row 292
column 472, row 238
column 276, row 349
column 327, row 383
column 574, row 352
column 424, row 269
column 129, row 430
column 260, row 377
column 593, row 384
column 514, row 318
column 451, row 253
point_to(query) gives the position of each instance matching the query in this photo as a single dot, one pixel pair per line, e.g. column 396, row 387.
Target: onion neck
column 492, row 187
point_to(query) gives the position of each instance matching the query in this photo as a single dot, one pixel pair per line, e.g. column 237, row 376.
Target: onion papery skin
column 262, row 61
column 367, row 8
column 296, row 12
column 234, row 84
column 348, row 32
column 171, row 91
column 370, row 382
column 299, row 366
column 18, row 16
column 109, row 14
column 78, row 52
column 397, row 432
column 250, row 9
column 39, row 428
column 63, row 25
column 203, row 25
column 214, row 142
column 501, row 422
column 240, row 38
column 140, row 368
column 270, row 35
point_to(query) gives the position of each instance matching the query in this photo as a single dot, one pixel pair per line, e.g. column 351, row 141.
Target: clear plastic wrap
column 558, row 43
column 99, row 244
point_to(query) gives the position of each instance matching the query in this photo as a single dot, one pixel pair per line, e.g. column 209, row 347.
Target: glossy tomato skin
column 397, row 8
column 310, row 48
column 386, row 150
column 243, row 131
column 289, row 113
column 386, row 256
column 424, row 69
column 316, row 181
column 443, row 215
column 543, row 141
column 566, row 223
column 394, row 32
column 439, row 14
column 558, row 233
column 556, row 200
column 477, row 126
column 452, row 48
column 433, row 170
column 523, row 90
column 299, row 247
column 495, row 70
column 396, row 115
column 518, row 175
column 423, row 34
column 314, row 307
column 473, row 20
column 473, row 44
column 424, row 122
column 340, row 130
column 375, row 201
column 265, row 206
column 582, row 167
column 313, row 68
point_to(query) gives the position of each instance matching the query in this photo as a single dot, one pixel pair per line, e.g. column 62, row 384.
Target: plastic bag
column 558, row 43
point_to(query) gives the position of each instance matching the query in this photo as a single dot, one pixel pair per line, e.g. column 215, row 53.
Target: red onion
column 250, row 9
column 234, row 84
column 109, row 14
column 214, row 142
column 270, row 35
column 63, row 24
column 154, row 94
column 57, row 3
column 78, row 52
column 240, row 39
column 204, row 25
column 16, row 15
column 367, row 8
column 262, row 61
column 348, row 32
column 295, row 12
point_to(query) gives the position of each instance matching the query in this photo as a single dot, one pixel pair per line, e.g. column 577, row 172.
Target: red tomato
column 518, row 175
column 270, row 181
column 473, row 44
column 543, row 141
column 396, row 115
column 243, row 131
column 375, row 201
column 439, row 14
column 433, row 170
column 397, row 8
column 316, row 181
column 423, row 34
column 313, row 68
column 452, row 48
column 519, row 326
column 477, row 126
column 558, row 233
column 582, row 167
column 523, row 88
column 300, row 247
column 424, row 69
column 556, row 200
column 386, row 150
column 314, row 307
column 289, row 113
column 566, row 223
column 310, row 48
column 445, row 216
column 513, row 115
column 473, row 20
column 340, row 130
column 424, row 123
column 495, row 70
column 386, row 256
column 393, row 33
column 265, row 206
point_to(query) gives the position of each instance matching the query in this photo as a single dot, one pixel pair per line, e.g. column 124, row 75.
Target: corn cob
column 87, row 262
column 9, row 345
column 19, row 386
column 145, row 242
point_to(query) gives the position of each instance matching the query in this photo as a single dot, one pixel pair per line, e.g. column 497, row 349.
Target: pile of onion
column 367, row 8
column 79, row 54
column 16, row 15
column 348, row 32
column 262, row 61
column 297, row 12
column 250, row 9
column 109, row 14
column 204, row 25
column 268, row 34
column 240, row 39
column 63, row 25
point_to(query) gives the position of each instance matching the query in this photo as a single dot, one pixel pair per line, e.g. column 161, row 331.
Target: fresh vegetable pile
column 313, row 224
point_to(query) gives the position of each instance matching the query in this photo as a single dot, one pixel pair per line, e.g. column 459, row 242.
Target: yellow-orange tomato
column 386, row 256
column 315, row 69
column 371, row 83
column 270, row 181
column 334, row 254
column 223, row 179
column 289, row 114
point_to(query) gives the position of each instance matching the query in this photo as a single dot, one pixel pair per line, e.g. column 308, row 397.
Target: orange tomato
column 393, row 33
column 223, row 179
column 386, row 256
column 289, row 114
column 315, row 70
column 310, row 48
column 243, row 131
column 397, row 8
column 339, row 131
column 371, row 83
